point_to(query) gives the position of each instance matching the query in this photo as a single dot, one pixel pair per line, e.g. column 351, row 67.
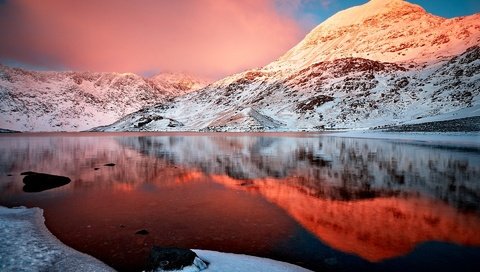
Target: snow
column 359, row 14
column 358, row 94
column 76, row 101
column 221, row 262
column 383, row 30
column 27, row 245
column 462, row 113
column 387, row 62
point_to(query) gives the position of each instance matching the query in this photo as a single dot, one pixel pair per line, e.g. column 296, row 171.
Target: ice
column 221, row 262
column 466, row 139
column 27, row 245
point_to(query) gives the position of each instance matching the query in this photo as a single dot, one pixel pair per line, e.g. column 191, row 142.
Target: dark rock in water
column 28, row 173
column 142, row 232
column 109, row 164
column 37, row 182
column 167, row 259
column 96, row 168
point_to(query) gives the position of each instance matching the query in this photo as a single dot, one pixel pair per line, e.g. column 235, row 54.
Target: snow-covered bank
column 221, row 262
column 27, row 245
column 462, row 139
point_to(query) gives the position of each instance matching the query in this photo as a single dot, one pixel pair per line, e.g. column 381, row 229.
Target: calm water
column 324, row 203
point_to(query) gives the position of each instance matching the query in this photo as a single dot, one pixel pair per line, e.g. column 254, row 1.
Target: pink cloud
column 207, row 37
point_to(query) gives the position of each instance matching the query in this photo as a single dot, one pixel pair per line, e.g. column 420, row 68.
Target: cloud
column 305, row 12
column 207, row 37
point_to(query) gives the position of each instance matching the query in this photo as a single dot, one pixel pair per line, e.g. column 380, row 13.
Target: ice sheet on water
column 27, row 245
column 464, row 139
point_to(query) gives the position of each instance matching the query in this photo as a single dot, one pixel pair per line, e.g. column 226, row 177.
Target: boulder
column 172, row 258
column 37, row 182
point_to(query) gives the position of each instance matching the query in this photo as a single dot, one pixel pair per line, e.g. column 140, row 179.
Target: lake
column 322, row 202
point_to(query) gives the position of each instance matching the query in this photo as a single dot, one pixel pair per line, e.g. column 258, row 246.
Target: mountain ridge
column 342, row 81
column 392, row 64
column 74, row 101
column 384, row 30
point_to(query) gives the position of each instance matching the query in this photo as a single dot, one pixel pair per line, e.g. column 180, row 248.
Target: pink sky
column 210, row 38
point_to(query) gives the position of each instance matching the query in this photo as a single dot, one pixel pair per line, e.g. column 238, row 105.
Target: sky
column 207, row 38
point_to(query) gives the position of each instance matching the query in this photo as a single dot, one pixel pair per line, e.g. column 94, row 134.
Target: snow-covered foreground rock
column 386, row 62
column 74, row 101
column 27, row 245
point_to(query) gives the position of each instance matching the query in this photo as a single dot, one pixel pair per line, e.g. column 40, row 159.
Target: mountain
column 386, row 62
column 384, row 30
column 74, row 101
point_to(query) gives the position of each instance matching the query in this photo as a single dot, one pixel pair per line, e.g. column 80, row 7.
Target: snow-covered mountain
column 383, row 63
column 384, row 30
column 73, row 101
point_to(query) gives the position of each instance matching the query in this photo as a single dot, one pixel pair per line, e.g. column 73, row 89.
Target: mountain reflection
column 375, row 199
column 372, row 198
column 329, row 167
column 376, row 228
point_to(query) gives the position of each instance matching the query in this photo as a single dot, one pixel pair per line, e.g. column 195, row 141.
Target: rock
column 37, row 182
column 142, row 232
column 168, row 259
column 96, row 168
column 109, row 164
column 27, row 173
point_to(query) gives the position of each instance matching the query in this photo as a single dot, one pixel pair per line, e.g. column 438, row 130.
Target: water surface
column 324, row 203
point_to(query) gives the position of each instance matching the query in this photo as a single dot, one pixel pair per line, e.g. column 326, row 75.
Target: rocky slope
column 344, row 93
column 73, row 101
column 383, row 63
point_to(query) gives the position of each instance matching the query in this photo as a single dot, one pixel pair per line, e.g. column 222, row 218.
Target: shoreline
column 35, row 246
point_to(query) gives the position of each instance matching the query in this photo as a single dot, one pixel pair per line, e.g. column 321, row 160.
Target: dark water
column 324, row 203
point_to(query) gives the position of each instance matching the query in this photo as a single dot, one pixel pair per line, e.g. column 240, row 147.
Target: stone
column 38, row 182
column 142, row 232
column 172, row 258
column 27, row 173
column 109, row 164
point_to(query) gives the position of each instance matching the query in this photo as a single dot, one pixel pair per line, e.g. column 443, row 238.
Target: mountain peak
column 374, row 8
column 180, row 81
column 383, row 30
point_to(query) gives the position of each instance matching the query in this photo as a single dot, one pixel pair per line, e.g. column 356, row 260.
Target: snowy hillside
column 344, row 93
column 383, row 63
column 73, row 101
column 384, row 30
